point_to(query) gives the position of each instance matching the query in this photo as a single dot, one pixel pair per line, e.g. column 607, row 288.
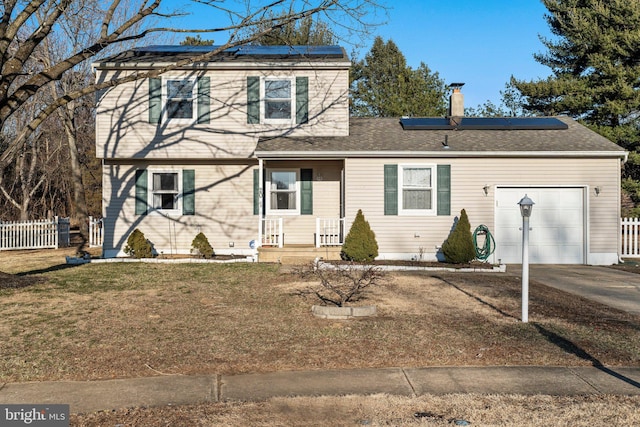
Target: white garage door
column 557, row 225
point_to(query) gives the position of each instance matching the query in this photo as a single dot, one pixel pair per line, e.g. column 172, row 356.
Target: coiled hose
column 483, row 252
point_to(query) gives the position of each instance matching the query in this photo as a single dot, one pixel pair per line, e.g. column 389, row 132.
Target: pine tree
column 384, row 86
column 360, row 244
column 459, row 247
column 595, row 61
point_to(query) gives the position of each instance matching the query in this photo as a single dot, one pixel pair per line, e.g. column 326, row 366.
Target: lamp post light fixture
column 526, row 206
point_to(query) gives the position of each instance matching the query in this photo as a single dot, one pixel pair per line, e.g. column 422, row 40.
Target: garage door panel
column 557, row 225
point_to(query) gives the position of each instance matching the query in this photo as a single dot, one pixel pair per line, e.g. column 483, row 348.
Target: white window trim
column 263, row 107
column 434, row 191
column 271, row 211
column 165, row 99
column 165, row 212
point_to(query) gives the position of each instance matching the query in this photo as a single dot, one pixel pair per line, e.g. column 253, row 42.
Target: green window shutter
column 253, row 100
column 444, row 189
column 302, row 100
column 391, row 189
column 155, row 99
column 256, row 192
column 306, row 191
column 141, row 192
column 188, row 192
column 204, row 97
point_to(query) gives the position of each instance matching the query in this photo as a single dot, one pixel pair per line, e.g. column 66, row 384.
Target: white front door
column 557, row 225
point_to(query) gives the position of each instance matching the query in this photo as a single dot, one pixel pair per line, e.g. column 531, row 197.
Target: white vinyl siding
column 224, row 199
column 405, row 236
column 120, row 132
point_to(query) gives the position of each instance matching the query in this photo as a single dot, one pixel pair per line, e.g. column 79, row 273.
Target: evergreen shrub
column 459, row 247
column 201, row 244
column 360, row 244
column 138, row 246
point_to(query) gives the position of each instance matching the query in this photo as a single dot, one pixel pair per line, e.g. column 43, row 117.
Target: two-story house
column 255, row 148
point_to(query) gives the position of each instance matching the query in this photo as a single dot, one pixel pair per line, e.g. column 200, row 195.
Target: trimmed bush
column 200, row 244
column 138, row 246
column 459, row 247
column 360, row 244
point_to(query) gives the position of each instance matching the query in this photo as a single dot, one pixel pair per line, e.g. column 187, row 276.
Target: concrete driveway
column 615, row 288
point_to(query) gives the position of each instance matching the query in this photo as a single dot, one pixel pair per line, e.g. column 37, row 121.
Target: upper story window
column 416, row 189
column 180, row 99
column 278, row 100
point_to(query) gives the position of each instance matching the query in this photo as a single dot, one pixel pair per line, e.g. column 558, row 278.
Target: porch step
column 295, row 254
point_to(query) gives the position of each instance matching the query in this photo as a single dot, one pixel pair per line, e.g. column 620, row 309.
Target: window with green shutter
column 302, row 100
column 444, row 189
column 155, row 100
column 141, row 192
column 188, row 192
column 417, row 189
column 253, row 100
column 204, row 99
column 306, row 191
column 391, row 189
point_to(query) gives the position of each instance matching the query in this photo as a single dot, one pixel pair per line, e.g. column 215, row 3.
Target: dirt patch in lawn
column 100, row 321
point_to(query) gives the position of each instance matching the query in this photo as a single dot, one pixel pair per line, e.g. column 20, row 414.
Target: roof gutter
column 437, row 154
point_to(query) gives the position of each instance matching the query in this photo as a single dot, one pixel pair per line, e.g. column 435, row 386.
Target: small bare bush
column 341, row 284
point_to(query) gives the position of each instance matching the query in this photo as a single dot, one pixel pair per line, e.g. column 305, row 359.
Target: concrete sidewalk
column 89, row 396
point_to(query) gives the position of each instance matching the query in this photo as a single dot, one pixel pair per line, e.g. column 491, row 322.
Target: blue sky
column 478, row 42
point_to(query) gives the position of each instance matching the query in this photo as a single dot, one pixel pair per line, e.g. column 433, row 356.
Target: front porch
column 328, row 237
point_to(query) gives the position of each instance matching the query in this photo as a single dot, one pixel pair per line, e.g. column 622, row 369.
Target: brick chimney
column 456, row 101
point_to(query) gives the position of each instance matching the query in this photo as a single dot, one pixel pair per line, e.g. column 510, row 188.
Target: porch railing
column 39, row 234
column 272, row 232
column 329, row 232
column 95, row 232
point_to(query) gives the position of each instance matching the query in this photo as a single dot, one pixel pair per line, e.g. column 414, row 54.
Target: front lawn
column 100, row 321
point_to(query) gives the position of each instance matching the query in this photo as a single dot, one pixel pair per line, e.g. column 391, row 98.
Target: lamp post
column 526, row 206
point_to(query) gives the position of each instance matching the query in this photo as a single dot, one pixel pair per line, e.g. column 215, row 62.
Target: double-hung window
column 164, row 190
column 278, row 100
column 180, row 99
column 169, row 192
column 416, row 184
column 284, row 192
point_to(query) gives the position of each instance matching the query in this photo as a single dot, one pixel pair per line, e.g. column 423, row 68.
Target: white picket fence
column 630, row 247
column 39, row 234
column 95, row 232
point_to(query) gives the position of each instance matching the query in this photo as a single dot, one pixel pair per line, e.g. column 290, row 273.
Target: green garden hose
column 489, row 245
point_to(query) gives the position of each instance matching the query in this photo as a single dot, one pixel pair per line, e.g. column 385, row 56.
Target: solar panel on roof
column 323, row 51
column 425, row 123
column 484, row 123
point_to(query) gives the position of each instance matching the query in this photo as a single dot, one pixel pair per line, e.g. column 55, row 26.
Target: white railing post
column 318, row 237
column 280, row 233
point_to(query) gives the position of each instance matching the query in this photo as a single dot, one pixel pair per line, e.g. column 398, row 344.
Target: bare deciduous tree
column 46, row 47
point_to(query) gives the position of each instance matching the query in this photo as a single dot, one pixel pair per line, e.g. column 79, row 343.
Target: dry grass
column 385, row 410
column 102, row 321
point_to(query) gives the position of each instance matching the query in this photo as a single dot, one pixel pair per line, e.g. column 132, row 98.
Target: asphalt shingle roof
column 379, row 135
